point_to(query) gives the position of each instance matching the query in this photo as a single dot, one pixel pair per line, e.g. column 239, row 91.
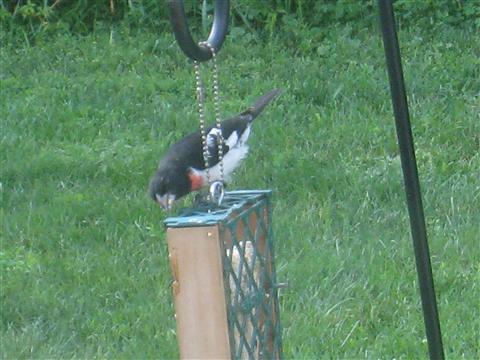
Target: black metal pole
column 410, row 176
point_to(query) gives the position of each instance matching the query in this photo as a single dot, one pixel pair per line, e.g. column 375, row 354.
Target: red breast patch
column 196, row 180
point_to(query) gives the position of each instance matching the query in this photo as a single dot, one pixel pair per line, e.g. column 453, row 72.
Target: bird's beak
column 165, row 201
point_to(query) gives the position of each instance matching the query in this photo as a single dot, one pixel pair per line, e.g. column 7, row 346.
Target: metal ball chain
column 201, row 112
column 216, row 190
column 216, row 103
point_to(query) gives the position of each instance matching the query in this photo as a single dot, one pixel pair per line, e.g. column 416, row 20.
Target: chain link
column 216, row 102
column 200, row 89
column 201, row 113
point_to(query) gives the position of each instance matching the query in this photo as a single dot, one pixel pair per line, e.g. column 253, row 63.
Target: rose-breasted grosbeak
column 182, row 169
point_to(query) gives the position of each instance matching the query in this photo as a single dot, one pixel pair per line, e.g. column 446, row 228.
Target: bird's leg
column 211, row 195
column 201, row 197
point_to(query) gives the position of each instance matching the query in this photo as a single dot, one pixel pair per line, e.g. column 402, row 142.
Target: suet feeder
column 224, row 281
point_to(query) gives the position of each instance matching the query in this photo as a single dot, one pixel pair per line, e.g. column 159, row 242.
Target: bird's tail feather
column 263, row 101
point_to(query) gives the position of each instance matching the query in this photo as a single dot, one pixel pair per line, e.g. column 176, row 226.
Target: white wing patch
column 245, row 135
column 232, row 140
column 212, row 137
column 232, row 159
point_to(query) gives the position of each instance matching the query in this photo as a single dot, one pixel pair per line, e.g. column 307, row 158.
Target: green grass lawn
column 84, row 120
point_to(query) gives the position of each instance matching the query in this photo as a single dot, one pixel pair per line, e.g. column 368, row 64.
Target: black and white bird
column 182, row 169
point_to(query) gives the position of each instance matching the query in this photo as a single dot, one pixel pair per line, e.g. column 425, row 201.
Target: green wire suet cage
column 224, row 285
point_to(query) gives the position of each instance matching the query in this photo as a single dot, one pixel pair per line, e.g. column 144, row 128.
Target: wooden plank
column 199, row 294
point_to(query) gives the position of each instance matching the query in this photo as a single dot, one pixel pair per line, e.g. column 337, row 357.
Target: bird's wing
column 230, row 137
column 189, row 150
column 215, row 140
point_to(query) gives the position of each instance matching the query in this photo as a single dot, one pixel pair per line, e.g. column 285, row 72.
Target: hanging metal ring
column 182, row 33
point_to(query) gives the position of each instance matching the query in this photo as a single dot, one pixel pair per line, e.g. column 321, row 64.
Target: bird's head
column 169, row 185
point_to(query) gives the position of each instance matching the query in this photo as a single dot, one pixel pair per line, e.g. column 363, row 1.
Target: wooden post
column 198, row 290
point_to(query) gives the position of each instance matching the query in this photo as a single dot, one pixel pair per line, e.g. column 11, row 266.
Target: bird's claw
column 213, row 197
column 200, row 198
